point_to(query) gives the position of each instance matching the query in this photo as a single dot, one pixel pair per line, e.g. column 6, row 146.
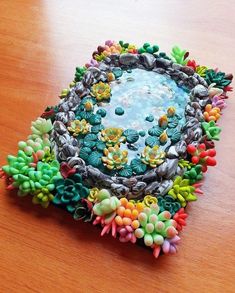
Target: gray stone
column 128, row 59
column 165, row 187
column 152, row 188
column 168, row 168
column 163, row 63
column 148, row 60
column 59, row 127
column 119, row 190
column 150, row 176
column 88, row 79
column 188, row 70
column 172, row 153
column 200, row 91
column 138, row 188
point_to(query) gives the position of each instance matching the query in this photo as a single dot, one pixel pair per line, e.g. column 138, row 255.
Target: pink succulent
column 126, row 234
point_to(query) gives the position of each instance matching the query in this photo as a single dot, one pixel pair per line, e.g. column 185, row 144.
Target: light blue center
column 142, row 93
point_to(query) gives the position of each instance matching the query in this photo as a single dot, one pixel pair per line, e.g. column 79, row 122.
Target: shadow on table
column 86, row 232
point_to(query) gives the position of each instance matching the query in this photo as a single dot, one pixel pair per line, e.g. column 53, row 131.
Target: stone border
column 157, row 181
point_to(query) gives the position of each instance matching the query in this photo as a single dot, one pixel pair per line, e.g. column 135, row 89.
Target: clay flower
column 80, row 71
column 168, row 203
column 112, row 136
column 194, row 174
column 201, row 70
column 41, row 178
column 211, row 130
column 182, row 191
column 214, row 91
column 83, row 210
column 200, row 155
column 101, row 91
column 211, row 113
column 155, row 226
column 149, row 199
column 179, row 56
column 115, row 158
column 78, row 127
column 218, row 102
column 126, row 219
column 69, row 191
column 180, row 218
column 40, row 127
column 106, row 205
column 93, row 194
column 219, row 78
column 152, row 156
column 43, row 197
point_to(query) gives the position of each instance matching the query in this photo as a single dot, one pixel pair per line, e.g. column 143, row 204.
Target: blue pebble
column 119, row 111
column 149, row 118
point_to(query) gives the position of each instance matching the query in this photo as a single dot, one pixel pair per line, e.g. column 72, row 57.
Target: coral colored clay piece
column 127, row 145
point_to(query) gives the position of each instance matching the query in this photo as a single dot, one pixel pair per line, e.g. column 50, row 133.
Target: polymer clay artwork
column 128, row 144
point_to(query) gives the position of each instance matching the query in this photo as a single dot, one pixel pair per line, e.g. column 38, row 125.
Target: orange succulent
column 211, row 113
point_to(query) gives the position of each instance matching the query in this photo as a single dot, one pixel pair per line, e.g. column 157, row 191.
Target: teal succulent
column 147, row 48
column 155, row 226
column 179, row 56
column 194, row 174
column 69, row 191
column 219, row 78
column 211, row 130
column 168, row 203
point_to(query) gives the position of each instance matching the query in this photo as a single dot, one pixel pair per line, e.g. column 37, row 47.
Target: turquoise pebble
column 142, row 133
column 149, row 118
column 119, row 111
column 117, row 72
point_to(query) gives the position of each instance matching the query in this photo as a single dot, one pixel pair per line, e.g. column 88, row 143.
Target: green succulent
column 21, row 164
column 179, row 56
column 147, row 48
column 194, row 174
column 80, row 71
column 155, row 226
column 182, row 191
column 43, row 176
column 211, row 130
column 106, row 205
column 219, row 78
column 40, row 127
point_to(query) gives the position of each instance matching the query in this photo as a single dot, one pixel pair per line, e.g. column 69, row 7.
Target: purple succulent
column 169, row 246
column 218, row 102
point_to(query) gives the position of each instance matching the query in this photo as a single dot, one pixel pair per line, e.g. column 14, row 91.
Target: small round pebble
column 149, row 118
column 142, row 133
column 119, row 111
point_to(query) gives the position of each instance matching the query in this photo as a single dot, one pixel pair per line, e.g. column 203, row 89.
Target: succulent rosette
column 128, row 144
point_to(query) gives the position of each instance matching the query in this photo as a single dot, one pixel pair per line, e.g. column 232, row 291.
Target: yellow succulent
column 115, row 158
column 152, row 156
column 201, row 70
column 112, row 136
column 149, row 199
column 78, row 127
column 93, row 194
column 101, row 91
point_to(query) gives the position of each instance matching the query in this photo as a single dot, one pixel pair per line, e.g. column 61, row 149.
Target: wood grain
column 41, row 43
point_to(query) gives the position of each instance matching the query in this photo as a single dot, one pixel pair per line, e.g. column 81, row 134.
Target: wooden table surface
column 45, row 250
